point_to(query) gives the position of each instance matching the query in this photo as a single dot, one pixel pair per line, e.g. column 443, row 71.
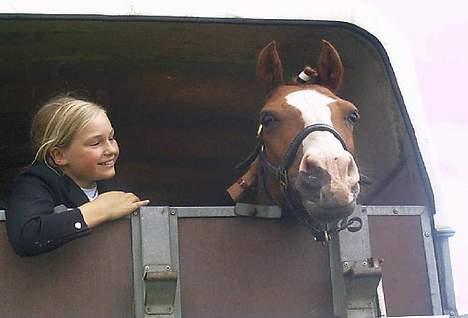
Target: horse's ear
column 269, row 67
column 330, row 67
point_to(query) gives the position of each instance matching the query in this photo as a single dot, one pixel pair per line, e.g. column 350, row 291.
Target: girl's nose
column 111, row 147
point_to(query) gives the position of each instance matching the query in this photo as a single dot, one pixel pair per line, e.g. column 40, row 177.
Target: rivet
column 173, row 211
column 168, row 268
column 395, row 211
column 169, row 309
column 147, row 268
column 364, row 210
column 135, row 213
column 427, row 234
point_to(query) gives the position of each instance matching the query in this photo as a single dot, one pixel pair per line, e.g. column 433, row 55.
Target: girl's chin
column 107, row 173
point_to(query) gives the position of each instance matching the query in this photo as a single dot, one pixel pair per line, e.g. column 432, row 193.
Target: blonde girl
column 69, row 188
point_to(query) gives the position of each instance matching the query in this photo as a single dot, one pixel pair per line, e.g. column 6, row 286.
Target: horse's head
column 306, row 153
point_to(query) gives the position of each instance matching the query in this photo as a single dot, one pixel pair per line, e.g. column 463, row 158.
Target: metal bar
column 156, row 263
column 2, row 215
column 204, row 212
column 437, row 316
column 137, row 266
column 393, row 210
column 447, row 288
column 431, row 263
column 354, row 274
column 174, row 234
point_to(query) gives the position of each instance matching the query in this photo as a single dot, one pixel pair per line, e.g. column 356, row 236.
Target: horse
column 304, row 158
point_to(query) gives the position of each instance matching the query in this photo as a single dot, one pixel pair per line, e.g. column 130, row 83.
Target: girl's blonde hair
column 57, row 122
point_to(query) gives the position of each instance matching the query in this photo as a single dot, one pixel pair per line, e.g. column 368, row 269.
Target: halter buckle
column 322, row 236
column 283, row 178
column 259, row 130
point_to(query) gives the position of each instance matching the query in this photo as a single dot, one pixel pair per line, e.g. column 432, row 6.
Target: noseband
column 320, row 231
column 281, row 171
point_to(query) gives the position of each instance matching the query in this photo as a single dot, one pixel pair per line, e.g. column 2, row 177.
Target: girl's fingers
column 141, row 203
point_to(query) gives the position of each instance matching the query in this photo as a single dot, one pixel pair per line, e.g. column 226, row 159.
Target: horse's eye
column 353, row 117
column 267, row 119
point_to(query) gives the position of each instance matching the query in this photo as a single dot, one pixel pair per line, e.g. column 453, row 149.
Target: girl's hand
column 110, row 206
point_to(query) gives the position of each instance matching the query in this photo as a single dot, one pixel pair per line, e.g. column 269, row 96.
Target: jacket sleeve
column 35, row 224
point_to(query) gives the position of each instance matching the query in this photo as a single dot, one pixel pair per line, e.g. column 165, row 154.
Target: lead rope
column 318, row 233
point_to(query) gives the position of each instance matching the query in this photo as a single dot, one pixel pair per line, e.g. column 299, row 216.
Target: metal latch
column 361, row 280
column 160, row 289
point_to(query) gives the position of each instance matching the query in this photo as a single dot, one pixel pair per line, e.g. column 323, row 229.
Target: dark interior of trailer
column 183, row 99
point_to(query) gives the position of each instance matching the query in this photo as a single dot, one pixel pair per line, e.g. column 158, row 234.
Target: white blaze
column 315, row 110
column 323, row 150
column 313, row 106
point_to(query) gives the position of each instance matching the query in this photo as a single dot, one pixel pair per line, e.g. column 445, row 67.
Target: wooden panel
column 89, row 277
column 398, row 240
column 252, row 268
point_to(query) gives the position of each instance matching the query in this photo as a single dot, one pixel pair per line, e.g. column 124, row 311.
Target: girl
column 68, row 190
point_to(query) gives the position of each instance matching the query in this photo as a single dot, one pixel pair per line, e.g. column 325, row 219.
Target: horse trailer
column 182, row 94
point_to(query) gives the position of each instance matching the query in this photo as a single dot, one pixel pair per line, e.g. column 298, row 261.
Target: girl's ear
column 58, row 157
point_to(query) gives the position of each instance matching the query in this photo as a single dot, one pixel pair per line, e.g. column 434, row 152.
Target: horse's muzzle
column 328, row 188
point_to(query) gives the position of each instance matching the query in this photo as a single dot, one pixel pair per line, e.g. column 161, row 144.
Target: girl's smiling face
column 92, row 154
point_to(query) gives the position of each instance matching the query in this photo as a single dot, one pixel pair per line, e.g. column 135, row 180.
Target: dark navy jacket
column 43, row 210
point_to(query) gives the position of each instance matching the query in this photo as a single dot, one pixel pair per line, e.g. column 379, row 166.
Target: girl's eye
column 266, row 119
column 352, row 117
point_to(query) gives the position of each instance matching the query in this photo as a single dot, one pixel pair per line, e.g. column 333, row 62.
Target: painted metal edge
column 137, row 266
column 143, row 253
column 229, row 211
column 431, row 263
column 437, row 316
column 449, row 304
column 203, row 211
column 388, row 210
column 174, row 243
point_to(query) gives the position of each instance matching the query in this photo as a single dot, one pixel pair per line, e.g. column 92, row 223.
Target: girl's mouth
column 108, row 163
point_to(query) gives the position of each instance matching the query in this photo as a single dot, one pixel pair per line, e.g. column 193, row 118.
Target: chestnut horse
column 304, row 157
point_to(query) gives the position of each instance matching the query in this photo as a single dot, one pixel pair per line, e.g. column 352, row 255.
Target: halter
column 320, row 231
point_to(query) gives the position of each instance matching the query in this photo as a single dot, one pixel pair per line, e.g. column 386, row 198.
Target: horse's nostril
column 313, row 170
column 310, row 180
